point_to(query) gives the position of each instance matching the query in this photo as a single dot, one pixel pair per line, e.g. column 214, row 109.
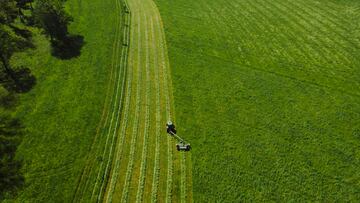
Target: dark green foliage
column 12, row 39
column 11, row 42
column 51, row 16
column 8, row 11
column 10, row 137
column 24, row 4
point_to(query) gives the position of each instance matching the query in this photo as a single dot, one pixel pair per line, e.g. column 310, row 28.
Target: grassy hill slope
column 268, row 94
column 62, row 111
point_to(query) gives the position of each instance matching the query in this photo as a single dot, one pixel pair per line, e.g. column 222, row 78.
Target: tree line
column 17, row 17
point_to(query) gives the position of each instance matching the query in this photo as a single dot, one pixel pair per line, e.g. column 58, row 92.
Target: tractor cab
column 182, row 145
column 170, row 128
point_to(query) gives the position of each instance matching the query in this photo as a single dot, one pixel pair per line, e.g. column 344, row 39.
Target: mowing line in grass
column 90, row 161
column 156, row 170
column 181, row 163
column 134, row 185
column 125, row 157
column 146, row 196
column 115, row 171
column 160, row 171
column 112, row 130
column 170, row 142
column 111, row 134
column 141, row 184
column 124, row 65
column 127, row 183
column 136, row 171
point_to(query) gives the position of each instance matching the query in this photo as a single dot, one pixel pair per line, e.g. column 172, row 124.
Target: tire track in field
column 298, row 19
column 323, row 29
column 93, row 148
column 266, row 16
column 266, row 12
column 328, row 25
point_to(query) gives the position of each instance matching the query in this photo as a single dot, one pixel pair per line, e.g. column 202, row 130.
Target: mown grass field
column 61, row 113
column 268, row 94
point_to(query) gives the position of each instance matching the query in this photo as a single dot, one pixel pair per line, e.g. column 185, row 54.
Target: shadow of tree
column 69, row 47
column 8, row 100
column 21, row 80
column 11, row 178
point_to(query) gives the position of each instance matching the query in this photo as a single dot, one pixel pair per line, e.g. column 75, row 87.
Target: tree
column 51, row 16
column 10, row 137
column 23, row 5
column 10, row 43
column 12, row 39
column 8, row 11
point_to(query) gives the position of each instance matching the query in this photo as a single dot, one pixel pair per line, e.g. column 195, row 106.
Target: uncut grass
column 267, row 93
column 62, row 111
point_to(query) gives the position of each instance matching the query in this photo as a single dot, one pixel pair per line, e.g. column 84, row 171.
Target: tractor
column 182, row 145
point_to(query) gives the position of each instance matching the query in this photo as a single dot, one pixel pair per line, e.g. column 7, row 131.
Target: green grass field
column 62, row 111
column 268, row 94
column 94, row 125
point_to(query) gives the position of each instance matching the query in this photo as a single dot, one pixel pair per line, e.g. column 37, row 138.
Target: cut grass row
column 110, row 128
column 148, row 171
column 124, row 124
column 135, row 129
column 140, row 190
column 124, row 58
column 123, row 63
column 169, row 116
column 156, row 170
